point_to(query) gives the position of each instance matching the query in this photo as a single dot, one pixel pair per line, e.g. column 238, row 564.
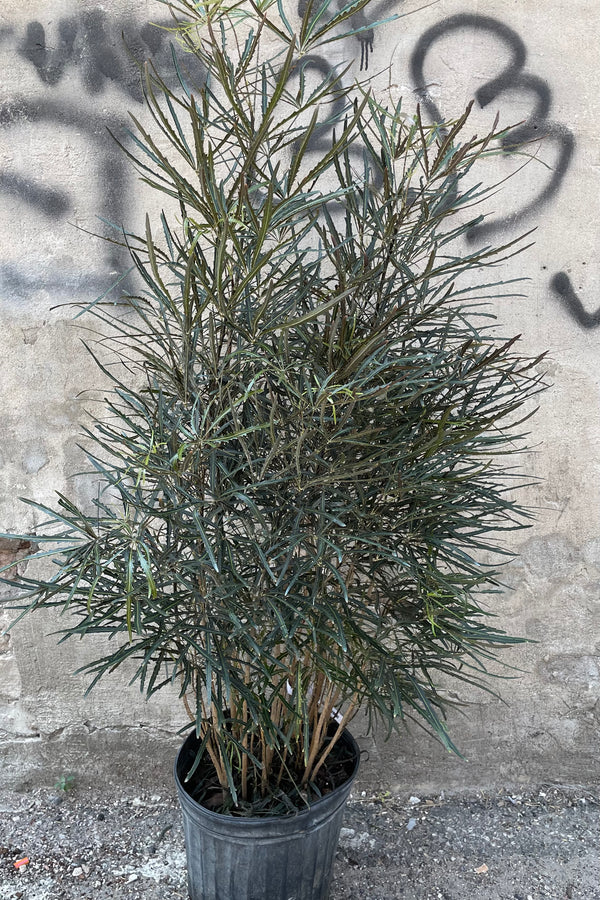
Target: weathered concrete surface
column 65, row 79
column 112, row 842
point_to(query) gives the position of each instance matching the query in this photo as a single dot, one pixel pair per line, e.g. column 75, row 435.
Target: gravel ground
column 503, row 846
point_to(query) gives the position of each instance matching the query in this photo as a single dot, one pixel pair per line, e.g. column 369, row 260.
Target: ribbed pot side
column 277, row 858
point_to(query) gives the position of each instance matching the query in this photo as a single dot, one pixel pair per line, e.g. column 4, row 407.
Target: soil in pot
column 283, row 798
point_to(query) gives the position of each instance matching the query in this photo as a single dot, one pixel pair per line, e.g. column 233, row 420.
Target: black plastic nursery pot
column 262, row 858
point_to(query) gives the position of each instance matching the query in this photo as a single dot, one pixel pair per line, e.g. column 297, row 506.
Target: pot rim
column 258, row 821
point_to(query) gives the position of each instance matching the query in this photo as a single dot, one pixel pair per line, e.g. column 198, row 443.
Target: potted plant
column 302, row 456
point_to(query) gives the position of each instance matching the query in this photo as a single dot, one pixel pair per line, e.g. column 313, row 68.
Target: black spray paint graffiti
column 565, row 292
column 57, row 203
column 513, row 78
column 363, row 27
column 101, row 53
column 361, row 24
column 90, row 46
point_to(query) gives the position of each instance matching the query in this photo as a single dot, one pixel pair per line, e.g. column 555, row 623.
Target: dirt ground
column 89, row 845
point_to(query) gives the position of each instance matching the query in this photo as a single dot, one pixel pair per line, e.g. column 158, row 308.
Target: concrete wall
column 65, row 79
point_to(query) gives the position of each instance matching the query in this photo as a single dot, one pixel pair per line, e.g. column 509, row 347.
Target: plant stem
column 352, row 707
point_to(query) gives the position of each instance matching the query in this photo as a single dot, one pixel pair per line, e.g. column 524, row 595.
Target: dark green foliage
column 302, row 459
